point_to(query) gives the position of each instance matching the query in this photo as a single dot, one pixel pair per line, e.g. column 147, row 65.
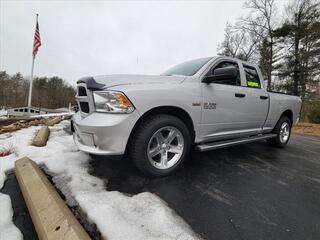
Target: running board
column 221, row 144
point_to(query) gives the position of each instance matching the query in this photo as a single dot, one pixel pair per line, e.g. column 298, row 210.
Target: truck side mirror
column 222, row 74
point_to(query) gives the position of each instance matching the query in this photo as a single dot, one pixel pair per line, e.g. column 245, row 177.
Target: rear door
column 229, row 108
column 257, row 98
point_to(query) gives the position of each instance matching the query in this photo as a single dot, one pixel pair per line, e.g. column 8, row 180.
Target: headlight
column 112, row 102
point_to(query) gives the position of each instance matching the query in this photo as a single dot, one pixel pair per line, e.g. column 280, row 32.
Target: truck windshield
column 188, row 68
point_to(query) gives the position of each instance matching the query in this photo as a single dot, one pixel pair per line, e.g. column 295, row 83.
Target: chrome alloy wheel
column 284, row 132
column 165, row 147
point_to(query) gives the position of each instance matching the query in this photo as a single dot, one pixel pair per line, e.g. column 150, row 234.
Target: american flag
column 36, row 41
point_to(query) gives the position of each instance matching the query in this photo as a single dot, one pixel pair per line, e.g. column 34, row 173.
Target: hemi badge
column 196, row 104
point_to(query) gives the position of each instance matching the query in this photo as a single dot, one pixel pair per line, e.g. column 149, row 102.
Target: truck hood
column 107, row 81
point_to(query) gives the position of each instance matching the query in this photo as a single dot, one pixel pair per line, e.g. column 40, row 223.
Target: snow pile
column 142, row 216
column 3, row 112
column 7, row 229
column 47, row 115
column 118, row 216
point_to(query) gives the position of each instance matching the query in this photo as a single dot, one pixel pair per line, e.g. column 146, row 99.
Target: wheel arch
column 288, row 113
column 169, row 110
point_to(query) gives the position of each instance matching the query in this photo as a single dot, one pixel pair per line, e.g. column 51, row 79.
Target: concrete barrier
column 50, row 215
column 41, row 137
column 53, row 121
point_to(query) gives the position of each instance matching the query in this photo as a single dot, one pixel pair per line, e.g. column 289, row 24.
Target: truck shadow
column 123, row 176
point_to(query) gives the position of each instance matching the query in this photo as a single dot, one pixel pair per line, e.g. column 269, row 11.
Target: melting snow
column 118, row 216
column 3, row 113
column 7, row 229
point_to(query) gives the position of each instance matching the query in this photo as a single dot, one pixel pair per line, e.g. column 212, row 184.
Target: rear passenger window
column 252, row 77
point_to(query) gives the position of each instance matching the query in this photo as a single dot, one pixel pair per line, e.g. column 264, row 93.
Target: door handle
column 240, row 95
column 264, row 97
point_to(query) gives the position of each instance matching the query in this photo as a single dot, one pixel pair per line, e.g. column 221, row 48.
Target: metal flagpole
column 30, row 86
column 31, row 78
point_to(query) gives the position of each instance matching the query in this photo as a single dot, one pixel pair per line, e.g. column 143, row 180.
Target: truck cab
column 241, row 98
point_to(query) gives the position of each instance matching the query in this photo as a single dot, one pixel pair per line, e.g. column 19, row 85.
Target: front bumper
column 103, row 133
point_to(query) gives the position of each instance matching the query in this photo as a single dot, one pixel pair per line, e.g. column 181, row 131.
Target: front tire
column 283, row 131
column 160, row 145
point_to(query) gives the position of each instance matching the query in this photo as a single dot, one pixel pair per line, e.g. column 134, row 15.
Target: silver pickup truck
column 205, row 103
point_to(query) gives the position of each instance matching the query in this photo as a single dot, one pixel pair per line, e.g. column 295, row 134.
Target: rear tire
column 283, row 131
column 160, row 145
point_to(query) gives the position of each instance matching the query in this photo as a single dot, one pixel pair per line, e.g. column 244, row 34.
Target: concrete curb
column 50, row 215
column 41, row 138
column 53, row 121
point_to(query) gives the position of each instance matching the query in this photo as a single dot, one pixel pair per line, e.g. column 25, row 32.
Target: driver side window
column 226, row 64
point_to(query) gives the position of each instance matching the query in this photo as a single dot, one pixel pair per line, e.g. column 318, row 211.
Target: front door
column 228, row 107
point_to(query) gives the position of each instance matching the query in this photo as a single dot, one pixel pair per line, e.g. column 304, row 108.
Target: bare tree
column 261, row 23
column 51, row 92
column 237, row 43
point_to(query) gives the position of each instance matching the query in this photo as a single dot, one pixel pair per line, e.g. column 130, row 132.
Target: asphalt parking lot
column 248, row 191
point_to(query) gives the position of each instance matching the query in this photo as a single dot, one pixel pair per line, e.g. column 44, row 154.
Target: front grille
column 76, row 107
column 72, row 127
column 82, row 91
column 84, row 107
column 84, row 98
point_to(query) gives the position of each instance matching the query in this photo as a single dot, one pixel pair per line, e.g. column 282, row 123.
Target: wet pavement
column 250, row 191
column 21, row 216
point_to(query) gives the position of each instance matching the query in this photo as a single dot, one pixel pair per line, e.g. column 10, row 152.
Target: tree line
column 285, row 45
column 47, row 92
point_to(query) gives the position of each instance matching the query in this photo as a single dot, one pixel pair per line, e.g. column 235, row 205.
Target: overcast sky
column 106, row 37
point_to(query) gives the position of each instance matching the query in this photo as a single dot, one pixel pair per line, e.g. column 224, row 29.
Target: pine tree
column 300, row 38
